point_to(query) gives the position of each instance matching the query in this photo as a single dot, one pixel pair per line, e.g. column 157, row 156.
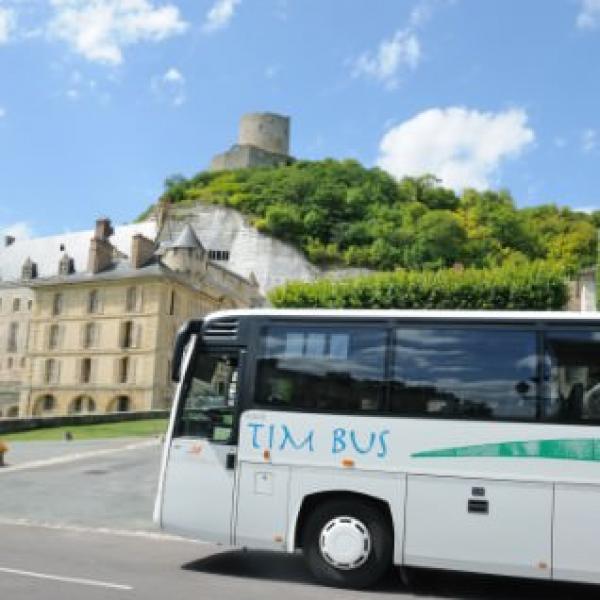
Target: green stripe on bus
column 575, row 449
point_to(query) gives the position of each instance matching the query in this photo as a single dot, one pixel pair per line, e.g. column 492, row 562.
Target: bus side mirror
column 181, row 341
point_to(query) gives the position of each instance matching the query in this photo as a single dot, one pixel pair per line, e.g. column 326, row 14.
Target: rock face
column 233, row 243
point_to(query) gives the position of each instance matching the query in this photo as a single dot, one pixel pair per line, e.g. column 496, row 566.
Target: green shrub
column 532, row 286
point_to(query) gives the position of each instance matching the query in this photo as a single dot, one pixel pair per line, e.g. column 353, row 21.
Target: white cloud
column 589, row 140
column 402, row 50
column 463, row 147
column 8, row 23
column 20, row 230
column 589, row 14
column 100, row 29
column 219, row 15
column 170, row 87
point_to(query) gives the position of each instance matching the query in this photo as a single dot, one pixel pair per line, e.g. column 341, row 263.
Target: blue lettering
column 372, row 438
column 287, row 437
column 383, row 450
column 339, row 442
column 255, row 427
column 271, row 434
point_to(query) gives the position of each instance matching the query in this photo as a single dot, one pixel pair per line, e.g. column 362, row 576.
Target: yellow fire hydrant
column 3, row 450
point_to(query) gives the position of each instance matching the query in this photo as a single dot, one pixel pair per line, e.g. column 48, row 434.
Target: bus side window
column 465, row 373
column 572, row 376
column 322, row 368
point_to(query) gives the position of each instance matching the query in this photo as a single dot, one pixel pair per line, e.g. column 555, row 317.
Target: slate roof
column 46, row 252
column 187, row 239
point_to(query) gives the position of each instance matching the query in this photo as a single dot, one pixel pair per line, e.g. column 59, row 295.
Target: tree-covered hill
column 339, row 212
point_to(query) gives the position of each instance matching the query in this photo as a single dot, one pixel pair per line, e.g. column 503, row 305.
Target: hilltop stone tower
column 263, row 141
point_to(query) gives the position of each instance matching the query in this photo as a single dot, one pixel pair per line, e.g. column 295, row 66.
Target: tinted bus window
column 471, row 373
column 321, row 368
column 572, row 376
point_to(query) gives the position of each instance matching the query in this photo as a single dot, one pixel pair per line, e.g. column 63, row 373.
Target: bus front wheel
column 348, row 543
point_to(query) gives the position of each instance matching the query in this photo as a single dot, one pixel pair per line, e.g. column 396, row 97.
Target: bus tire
column 348, row 543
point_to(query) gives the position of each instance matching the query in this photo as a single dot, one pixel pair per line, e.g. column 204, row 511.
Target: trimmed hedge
column 532, row 286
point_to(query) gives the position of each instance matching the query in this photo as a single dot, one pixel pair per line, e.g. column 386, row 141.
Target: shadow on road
column 274, row 566
column 271, row 566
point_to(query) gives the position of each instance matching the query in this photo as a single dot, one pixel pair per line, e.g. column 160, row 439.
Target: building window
column 29, row 305
column 131, row 299
column 13, row 332
column 93, row 302
column 127, row 335
column 172, row 303
column 53, row 336
column 86, row 370
column 82, row 404
column 57, row 304
column 9, row 362
column 16, row 304
column 22, row 362
column 124, row 370
column 51, row 371
column 45, row 403
column 123, row 404
column 90, row 335
column 218, row 254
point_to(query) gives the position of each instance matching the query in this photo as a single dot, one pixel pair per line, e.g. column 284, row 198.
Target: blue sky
column 100, row 100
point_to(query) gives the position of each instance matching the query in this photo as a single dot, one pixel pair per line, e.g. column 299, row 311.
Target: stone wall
column 244, row 156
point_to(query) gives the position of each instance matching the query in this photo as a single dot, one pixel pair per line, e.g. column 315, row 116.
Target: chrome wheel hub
column 345, row 543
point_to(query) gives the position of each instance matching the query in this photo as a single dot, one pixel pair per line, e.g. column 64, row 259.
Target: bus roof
column 441, row 315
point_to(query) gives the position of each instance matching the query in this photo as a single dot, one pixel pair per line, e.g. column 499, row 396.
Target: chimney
column 100, row 255
column 142, row 250
column 103, row 229
column 8, row 240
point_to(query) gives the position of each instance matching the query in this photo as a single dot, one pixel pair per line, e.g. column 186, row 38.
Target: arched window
column 44, row 404
column 82, row 404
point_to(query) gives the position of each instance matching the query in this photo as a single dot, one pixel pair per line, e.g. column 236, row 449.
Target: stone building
column 99, row 317
column 263, row 141
column 583, row 291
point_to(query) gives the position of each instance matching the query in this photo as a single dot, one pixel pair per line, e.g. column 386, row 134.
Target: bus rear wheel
column 348, row 543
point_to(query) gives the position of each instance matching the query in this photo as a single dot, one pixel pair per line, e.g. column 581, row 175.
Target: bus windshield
column 209, row 397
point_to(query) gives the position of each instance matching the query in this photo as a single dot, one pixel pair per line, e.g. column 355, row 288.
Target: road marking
column 77, row 580
column 140, row 533
column 61, row 460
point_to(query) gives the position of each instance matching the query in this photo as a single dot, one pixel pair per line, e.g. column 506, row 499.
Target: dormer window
column 29, row 269
column 66, row 265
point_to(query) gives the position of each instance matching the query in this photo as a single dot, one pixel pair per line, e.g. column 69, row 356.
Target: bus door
column 199, row 479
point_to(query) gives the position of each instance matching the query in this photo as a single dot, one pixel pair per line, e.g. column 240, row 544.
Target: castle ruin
column 263, row 141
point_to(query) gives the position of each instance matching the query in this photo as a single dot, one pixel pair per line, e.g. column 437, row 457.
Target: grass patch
column 144, row 428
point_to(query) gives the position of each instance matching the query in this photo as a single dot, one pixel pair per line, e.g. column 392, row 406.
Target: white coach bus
column 453, row 440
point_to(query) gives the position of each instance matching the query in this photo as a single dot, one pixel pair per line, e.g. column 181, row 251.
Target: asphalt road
column 82, row 529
